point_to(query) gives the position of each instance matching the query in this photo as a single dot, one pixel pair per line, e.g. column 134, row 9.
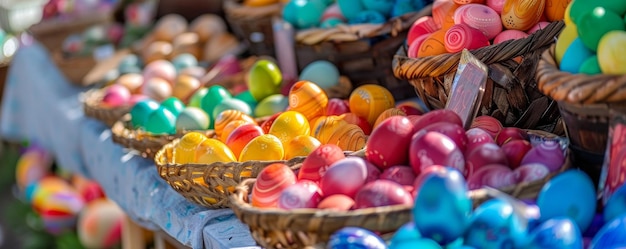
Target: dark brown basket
column 209, row 185
column 363, row 53
column 312, row 228
column 511, row 95
column 107, row 115
column 253, row 25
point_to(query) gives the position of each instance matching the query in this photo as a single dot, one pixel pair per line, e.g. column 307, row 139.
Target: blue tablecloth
column 40, row 105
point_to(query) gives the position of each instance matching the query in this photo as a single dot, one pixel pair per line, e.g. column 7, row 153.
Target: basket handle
column 243, row 189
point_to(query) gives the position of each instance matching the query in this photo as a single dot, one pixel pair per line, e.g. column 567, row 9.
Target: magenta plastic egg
column 476, row 137
column 382, row 193
column 345, row 176
column 270, row 183
column 116, row 95
column 477, row 179
column 548, row 153
column 440, row 115
column 316, row 164
column 480, row 17
column 531, row 172
column 433, row 148
column 302, row 194
column 453, row 131
column 423, row 26
column 484, row 154
column 500, row 179
column 496, row 5
column 389, row 142
column 373, row 173
column 161, row 69
column 400, row 174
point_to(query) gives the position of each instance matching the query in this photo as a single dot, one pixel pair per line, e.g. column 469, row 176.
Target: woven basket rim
column 93, row 108
column 448, row 62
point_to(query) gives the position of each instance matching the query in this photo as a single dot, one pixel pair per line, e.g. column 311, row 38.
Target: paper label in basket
column 468, row 88
column 614, row 167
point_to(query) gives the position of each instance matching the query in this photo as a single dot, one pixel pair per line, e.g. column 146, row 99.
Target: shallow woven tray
column 253, row 25
column 312, row 228
column 107, row 115
column 74, row 68
column 511, row 95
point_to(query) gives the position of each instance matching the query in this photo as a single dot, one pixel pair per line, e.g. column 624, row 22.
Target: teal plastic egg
column 246, row 96
column 406, row 233
column 264, row 79
column 595, row 23
column 183, row 61
column 140, row 112
column 418, row 243
column 289, row 13
column 309, row 13
column 323, row 73
column 368, row 17
column 161, row 121
column 215, row 95
column 331, row 23
column 495, row 224
column 590, row 66
column 192, row 118
column 383, row 7
column 232, row 104
column 574, row 56
column 196, row 98
column 350, row 8
column 174, row 105
column 271, row 105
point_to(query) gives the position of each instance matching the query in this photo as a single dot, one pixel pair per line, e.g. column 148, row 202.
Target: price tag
column 468, row 88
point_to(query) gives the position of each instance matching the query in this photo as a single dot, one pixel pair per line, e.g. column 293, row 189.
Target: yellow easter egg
column 212, row 150
column 266, row 147
column 612, row 52
column 567, row 18
column 289, row 125
column 568, row 34
column 369, row 101
column 301, row 146
column 185, row 150
column 308, row 98
column 230, row 127
column 228, row 116
column 325, row 126
column 348, row 137
column 522, row 14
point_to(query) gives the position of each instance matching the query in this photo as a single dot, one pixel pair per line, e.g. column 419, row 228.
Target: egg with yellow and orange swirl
column 348, row 137
column 225, row 117
column 324, row 127
column 308, row 98
column 522, row 14
column 270, row 183
column 369, row 101
column 289, row 125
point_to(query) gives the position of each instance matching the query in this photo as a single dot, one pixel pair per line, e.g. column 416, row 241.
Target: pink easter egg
column 116, row 95
column 548, row 153
column 500, row 179
column 476, row 180
column 537, row 27
column 400, row 174
column 480, row 17
column 389, row 142
column 333, row 11
column 422, row 26
column 531, row 172
column 414, row 47
column 496, row 5
column 453, row 131
column 316, row 163
column 302, row 194
column 270, row 183
column 484, row 154
column 162, row 69
column 462, row 36
column 476, row 137
column 382, row 193
column 433, row 148
column 346, row 177
column 373, row 173
column 157, row 89
column 509, row 34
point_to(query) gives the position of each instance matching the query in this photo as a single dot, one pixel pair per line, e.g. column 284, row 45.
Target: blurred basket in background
column 52, row 33
column 253, row 25
column 18, row 15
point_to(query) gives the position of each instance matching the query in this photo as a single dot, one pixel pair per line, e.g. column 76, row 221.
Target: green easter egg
column 196, row 98
column 591, row 66
column 174, row 105
column 161, row 121
column 246, row 96
column 612, row 53
column 264, row 79
column 580, row 7
column 593, row 24
column 141, row 111
column 192, row 118
column 232, row 104
column 271, row 105
column 214, row 97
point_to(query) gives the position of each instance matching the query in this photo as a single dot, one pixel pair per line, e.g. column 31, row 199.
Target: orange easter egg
column 324, row 127
column 232, row 125
column 443, row 13
column 433, row 44
column 270, row 183
column 185, row 150
column 266, row 147
column 212, row 150
column 555, row 9
column 289, row 125
column 301, row 146
column 522, row 14
column 369, row 101
column 348, row 137
column 387, row 114
column 225, row 117
column 307, row 98
column 241, row 136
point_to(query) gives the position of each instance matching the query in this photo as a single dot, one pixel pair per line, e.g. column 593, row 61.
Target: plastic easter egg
column 246, row 96
column 406, row 233
column 434, row 44
column 132, row 81
column 225, row 117
column 350, row 8
column 337, row 106
column 185, row 86
column 192, row 118
column 266, row 147
column 161, row 121
column 173, row 105
column 157, row 89
column 548, row 153
column 348, row 137
column 522, row 14
column 232, row 104
column 270, row 183
column 115, row 95
column 336, row 203
column 196, row 99
column 369, row 101
column 323, row 127
column 387, row 114
column 611, row 235
column 301, row 146
column 611, row 51
column 595, row 23
column 510, row 34
column 461, row 36
column 496, row 5
column 575, row 55
column 388, row 144
column 355, row 237
column 309, row 13
column 241, row 136
column 323, row 73
column 436, row 116
column 361, row 122
column 495, row 224
column 302, row 194
column 368, row 17
column 380, row 193
column 31, row 167
column 443, row 13
column 383, row 7
column 579, row 8
column 185, row 150
column 442, row 206
column 591, row 66
column 183, row 61
column 616, row 204
column 264, row 79
column 100, row 224
column 307, row 98
column 556, row 233
column 555, row 9
column 215, row 95
column 515, row 151
column 415, row 46
column 570, row 194
column 480, row 17
column 422, row 243
column 315, row 165
column 271, row 105
column 212, row 150
column 567, row 36
column 161, row 69
column 141, row 111
column 429, row 148
column 289, row 125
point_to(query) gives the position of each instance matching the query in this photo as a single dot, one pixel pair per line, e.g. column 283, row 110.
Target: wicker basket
column 209, row 185
column 362, row 52
column 253, row 25
column 511, row 95
column 52, row 33
column 107, row 115
column 74, row 68
column 311, row 228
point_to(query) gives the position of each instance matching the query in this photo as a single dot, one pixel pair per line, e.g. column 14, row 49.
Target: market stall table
column 39, row 105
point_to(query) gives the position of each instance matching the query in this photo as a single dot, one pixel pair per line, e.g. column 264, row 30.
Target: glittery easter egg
column 302, row 194
column 185, row 150
column 462, row 36
column 443, row 13
column 212, row 150
column 510, row 34
column 522, row 14
column 289, row 125
column 270, row 183
column 348, row 137
column 192, row 118
column 241, row 136
column 612, row 53
column 266, row 147
column 480, row 17
column 387, row 114
column 161, row 121
column 301, row 146
column 555, row 9
column 369, row 101
column 307, row 98
column 316, row 164
column 225, row 117
column 434, row 44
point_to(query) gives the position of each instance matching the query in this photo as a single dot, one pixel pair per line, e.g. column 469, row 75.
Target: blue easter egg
column 494, row 225
column 575, row 55
column 140, row 112
column 442, row 206
column 355, row 237
column 368, row 16
column 556, row 233
column 406, row 232
column 309, row 13
column 331, row 23
column 323, row 73
column 616, row 205
column 612, row 235
column 183, row 61
column 383, row 7
column 350, row 8
column 418, row 243
column 596, row 224
column 571, row 194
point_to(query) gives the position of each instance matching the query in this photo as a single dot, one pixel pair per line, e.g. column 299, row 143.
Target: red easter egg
column 515, row 152
column 270, row 183
column 453, row 131
column 496, row 5
column 373, row 173
column 461, row 36
column 241, row 136
column 302, row 194
column 388, row 145
column 316, row 164
column 509, row 34
column 476, row 179
column 443, row 13
column 433, row 45
column 382, row 193
column 345, row 177
column 415, row 46
column 332, row 11
column 361, row 122
column 484, row 154
column 336, row 107
column 508, row 134
column 409, row 109
column 267, row 124
column 433, row 148
column 441, row 115
column 488, row 124
column 476, row 137
column 422, row 26
column 531, row 172
column 401, row 174
column 336, row 203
